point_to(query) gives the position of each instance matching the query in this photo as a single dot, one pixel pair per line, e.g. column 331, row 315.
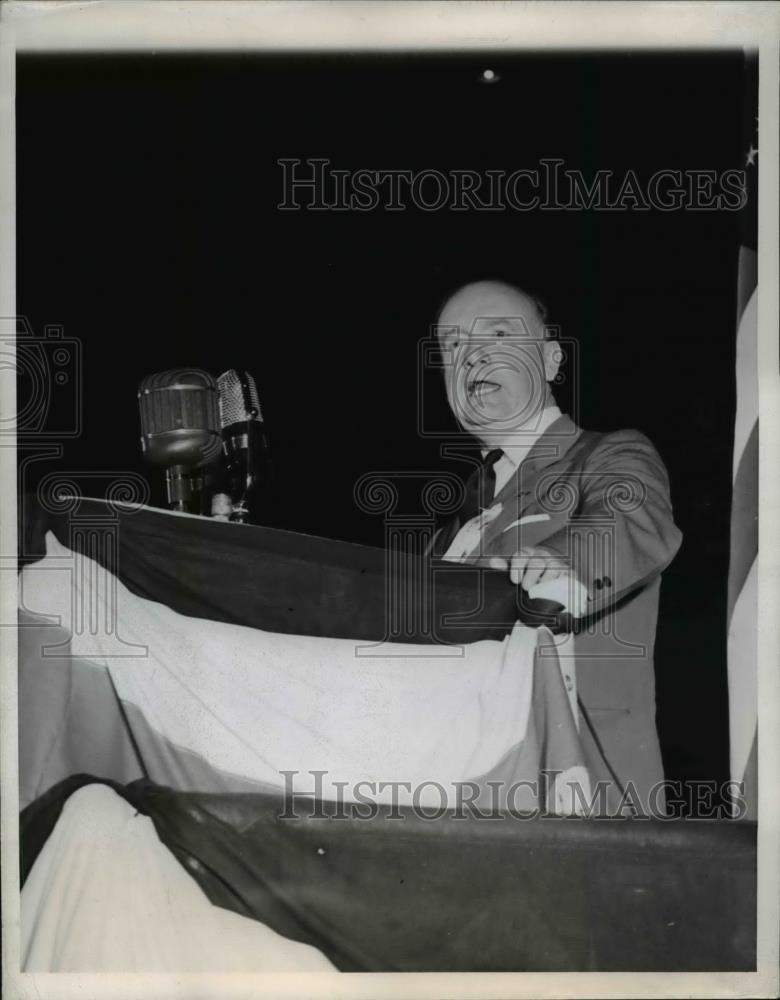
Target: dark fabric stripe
column 749, row 214
column 747, row 278
column 461, row 894
column 285, row 582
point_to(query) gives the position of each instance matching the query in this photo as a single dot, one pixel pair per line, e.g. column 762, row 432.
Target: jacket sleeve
column 621, row 533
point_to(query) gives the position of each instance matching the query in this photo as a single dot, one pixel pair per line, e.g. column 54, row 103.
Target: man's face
column 494, row 359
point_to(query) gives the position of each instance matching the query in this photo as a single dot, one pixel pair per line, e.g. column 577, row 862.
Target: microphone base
column 240, row 513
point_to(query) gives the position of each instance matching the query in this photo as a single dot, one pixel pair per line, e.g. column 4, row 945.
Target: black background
column 148, row 227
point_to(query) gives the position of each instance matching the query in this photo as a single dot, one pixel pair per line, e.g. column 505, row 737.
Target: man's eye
column 447, row 354
column 500, row 333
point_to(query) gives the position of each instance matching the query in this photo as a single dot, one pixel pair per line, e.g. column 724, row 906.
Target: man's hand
column 531, row 566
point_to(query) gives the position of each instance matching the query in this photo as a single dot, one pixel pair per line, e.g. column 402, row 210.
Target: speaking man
column 597, row 508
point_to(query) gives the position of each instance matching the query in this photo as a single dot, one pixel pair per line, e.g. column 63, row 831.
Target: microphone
column 179, row 428
column 244, row 440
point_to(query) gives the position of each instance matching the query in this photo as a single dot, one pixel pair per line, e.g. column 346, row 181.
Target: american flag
column 743, row 565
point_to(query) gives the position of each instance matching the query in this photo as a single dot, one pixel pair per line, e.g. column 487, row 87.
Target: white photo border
column 192, row 25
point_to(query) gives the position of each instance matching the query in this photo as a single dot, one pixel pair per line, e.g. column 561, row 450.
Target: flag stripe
column 743, row 567
column 282, row 581
column 213, row 706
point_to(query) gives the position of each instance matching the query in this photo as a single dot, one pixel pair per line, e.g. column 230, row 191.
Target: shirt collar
column 519, row 444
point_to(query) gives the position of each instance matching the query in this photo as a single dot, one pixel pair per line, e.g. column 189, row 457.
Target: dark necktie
column 480, row 487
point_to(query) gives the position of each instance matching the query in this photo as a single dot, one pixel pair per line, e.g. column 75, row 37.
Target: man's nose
column 476, row 354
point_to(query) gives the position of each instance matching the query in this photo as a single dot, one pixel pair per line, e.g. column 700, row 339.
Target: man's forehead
column 481, row 307
column 477, row 326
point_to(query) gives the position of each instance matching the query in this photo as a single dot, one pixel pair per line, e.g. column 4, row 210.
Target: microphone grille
column 237, row 397
column 179, row 419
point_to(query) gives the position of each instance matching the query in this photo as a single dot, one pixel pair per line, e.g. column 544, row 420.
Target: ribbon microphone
column 244, row 442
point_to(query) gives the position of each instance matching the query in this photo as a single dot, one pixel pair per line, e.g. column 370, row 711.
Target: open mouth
column 482, row 387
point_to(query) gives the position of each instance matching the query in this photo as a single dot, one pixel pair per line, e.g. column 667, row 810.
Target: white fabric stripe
column 255, row 703
column 105, row 895
column 747, row 378
column 743, row 673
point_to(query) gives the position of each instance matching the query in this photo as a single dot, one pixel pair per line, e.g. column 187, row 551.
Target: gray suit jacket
column 607, row 496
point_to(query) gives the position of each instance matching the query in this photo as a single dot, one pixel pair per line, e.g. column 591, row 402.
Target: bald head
column 493, row 300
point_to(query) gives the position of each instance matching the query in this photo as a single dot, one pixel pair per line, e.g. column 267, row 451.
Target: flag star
column 751, row 156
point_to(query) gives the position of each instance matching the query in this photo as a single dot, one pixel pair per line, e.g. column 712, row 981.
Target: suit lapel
column 550, row 448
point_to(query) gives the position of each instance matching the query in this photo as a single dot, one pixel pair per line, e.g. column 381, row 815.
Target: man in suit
column 597, row 510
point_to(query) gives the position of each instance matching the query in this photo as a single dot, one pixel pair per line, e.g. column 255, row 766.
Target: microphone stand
column 178, row 486
column 240, row 514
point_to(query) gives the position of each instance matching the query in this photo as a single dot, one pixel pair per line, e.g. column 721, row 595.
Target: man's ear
column 551, row 353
